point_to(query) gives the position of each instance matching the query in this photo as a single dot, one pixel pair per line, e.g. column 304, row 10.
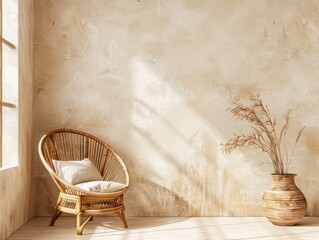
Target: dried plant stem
column 293, row 150
column 264, row 135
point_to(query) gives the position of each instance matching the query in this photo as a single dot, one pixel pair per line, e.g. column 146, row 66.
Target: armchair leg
column 57, row 212
column 56, row 215
column 79, row 227
column 79, row 224
column 121, row 215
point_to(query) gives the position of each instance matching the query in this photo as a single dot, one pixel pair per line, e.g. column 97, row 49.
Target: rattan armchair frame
column 70, row 144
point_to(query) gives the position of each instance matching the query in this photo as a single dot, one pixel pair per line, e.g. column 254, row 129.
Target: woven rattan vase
column 283, row 203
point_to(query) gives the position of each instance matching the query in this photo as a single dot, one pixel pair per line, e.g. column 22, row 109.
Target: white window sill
column 8, row 167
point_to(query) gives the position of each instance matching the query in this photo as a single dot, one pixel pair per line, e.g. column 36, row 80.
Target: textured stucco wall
column 16, row 184
column 154, row 78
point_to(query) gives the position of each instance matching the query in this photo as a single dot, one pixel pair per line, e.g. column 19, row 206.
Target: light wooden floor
column 171, row 228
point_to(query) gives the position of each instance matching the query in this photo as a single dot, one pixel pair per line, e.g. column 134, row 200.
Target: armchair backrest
column 70, row 144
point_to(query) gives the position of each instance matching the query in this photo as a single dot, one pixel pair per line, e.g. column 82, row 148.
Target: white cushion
column 101, row 186
column 75, row 172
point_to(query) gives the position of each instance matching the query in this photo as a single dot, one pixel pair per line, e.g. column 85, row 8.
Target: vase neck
column 283, row 180
column 283, row 177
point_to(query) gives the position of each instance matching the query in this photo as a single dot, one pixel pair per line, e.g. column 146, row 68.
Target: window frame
column 2, row 103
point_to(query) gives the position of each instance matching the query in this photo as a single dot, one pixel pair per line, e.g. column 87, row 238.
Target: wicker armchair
column 68, row 145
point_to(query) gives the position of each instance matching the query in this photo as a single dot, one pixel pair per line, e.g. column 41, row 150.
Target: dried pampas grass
column 264, row 135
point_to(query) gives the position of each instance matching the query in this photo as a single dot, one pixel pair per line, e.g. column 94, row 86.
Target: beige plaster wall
column 154, row 79
column 16, row 184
